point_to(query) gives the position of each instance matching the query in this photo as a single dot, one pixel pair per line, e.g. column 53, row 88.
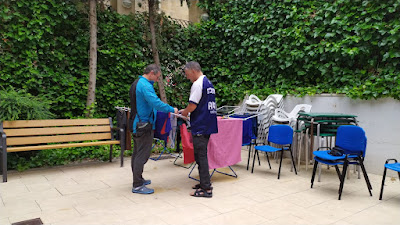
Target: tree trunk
column 92, row 59
column 152, row 11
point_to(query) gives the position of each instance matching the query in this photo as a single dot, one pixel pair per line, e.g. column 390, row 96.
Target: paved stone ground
column 100, row 193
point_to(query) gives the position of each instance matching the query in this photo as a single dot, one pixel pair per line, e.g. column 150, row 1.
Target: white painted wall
column 379, row 118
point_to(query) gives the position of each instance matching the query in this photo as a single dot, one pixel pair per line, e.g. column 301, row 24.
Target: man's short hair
column 192, row 65
column 152, row 67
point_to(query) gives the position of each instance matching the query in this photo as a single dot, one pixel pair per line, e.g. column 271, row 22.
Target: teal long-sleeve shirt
column 148, row 103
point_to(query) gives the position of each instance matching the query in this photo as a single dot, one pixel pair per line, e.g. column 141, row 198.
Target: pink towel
column 223, row 148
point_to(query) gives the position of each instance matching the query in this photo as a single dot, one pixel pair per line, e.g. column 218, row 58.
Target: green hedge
column 301, row 47
column 258, row 47
column 44, row 50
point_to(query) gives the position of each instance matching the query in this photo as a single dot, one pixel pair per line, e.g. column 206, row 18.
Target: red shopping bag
column 187, row 145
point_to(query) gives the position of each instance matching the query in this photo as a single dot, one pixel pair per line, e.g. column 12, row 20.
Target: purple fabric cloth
column 163, row 126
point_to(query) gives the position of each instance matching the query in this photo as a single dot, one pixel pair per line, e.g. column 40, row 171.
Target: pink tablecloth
column 223, row 148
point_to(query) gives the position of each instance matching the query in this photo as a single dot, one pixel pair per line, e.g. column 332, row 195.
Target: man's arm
column 190, row 108
column 155, row 102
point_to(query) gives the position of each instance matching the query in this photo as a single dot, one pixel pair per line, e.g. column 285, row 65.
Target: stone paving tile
column 290, row 219
column 187, row 214
column 13, row 188
column 21, row 207
column 83, row 186
column 239, row 217
column 22, row 217
column 227, row 204
column 36, row 195
column 65, row 214
column 147, row 220
column 100, row 193
column 274, row 209
column 5, row 221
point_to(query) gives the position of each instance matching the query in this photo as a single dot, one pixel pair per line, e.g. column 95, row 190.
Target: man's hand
column 183, row 112
column 190, row 108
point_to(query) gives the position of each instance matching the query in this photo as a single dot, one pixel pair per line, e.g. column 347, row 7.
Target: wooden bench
column 30, row 135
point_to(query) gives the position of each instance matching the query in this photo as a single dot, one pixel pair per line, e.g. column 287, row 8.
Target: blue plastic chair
column 391, row 166
column 353, row 141
column 279, row 135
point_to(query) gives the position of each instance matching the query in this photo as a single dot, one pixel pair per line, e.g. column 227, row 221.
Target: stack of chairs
column 266, row 111
column 290, row 118
column 253, row 107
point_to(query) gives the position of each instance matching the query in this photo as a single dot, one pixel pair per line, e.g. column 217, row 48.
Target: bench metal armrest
column 120, row 130
column 2, row 139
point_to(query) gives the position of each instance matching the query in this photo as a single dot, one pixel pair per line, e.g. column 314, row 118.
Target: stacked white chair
column 266, row 111
column 263, row 110
column 252, row 105
column 290, row 118
column 249, row 105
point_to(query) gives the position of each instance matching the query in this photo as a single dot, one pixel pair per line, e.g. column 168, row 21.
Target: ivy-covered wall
column 44, row 50
column 302, row 47
column 247, row 46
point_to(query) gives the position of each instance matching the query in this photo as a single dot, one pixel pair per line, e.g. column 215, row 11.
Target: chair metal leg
column 338, row 172
column 295, row 150
column 299, row 147
column 307, row 150
column 366, row 177
column 383, row 183
column 361, row 162
column 343, row 178
column 266, row 154
column 293, row 162
column 254, row 159
column 248, row 158
column 280, row 164
column 313, row 173
column 319, row 173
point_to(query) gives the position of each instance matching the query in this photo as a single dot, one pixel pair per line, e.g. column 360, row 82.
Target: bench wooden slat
column 44, row 147
column 57, row 139
column 56, row 130
column 54, row 123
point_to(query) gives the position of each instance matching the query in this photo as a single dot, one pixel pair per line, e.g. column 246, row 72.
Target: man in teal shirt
column 144, row 104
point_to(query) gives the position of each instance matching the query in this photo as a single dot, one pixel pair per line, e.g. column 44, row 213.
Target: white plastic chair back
column 253, row 101
column 300, row 108
column 284, row 117
column 252, row 104
column 267, row 109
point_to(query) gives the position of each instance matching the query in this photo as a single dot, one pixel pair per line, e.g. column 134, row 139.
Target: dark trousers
column 200, row 143
column 140, row 155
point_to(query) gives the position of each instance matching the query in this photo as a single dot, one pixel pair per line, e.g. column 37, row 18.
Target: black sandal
column 197, row 186
column 202, row 193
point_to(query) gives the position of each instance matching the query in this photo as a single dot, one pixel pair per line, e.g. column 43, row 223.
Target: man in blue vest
column 144, row 106
column 203, row 123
